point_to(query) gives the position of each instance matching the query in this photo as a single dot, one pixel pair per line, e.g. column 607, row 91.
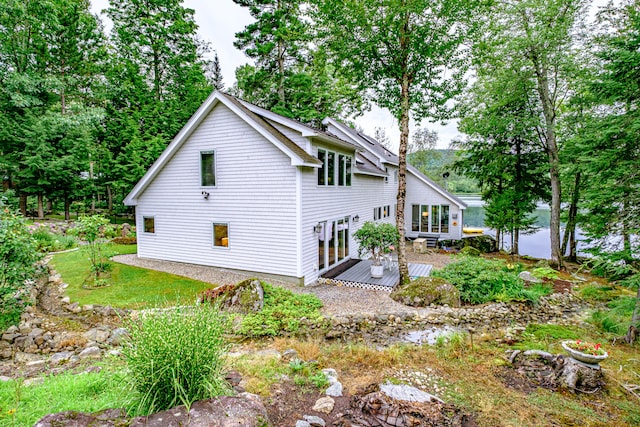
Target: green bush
column 47, row 241
column 18, row 256
column 282, row 312
column 481, row 280
column 176, row 356
column 617, row 318
column 470, row 251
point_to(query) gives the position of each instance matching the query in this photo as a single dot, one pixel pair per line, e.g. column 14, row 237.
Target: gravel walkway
column 337, row 301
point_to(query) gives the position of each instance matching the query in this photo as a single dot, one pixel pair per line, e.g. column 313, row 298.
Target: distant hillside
column 434, row 163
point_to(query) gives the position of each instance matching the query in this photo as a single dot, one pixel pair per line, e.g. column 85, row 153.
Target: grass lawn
column 130, row 287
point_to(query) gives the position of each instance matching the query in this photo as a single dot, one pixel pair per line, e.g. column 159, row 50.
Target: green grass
column 22, row 405
column 130, row 287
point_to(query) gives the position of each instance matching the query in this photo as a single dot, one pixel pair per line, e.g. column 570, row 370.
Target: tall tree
column 156, row 80
column 538, row 36
column 409, row 55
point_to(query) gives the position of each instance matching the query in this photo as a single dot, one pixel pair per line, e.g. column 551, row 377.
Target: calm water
column 536, row 244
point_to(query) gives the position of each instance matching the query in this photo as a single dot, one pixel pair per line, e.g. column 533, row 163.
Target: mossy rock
column 483, row 243
column 470, row 251
column 425, row 291
column 245, row 297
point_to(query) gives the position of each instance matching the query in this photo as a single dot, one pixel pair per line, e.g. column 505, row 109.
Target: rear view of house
column 246, row 189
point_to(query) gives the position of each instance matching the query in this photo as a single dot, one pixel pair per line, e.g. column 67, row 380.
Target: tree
column 409, row 55
column 380, row 135
column 538, row 36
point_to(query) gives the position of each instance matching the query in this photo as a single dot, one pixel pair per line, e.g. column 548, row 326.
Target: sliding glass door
column 333, row 243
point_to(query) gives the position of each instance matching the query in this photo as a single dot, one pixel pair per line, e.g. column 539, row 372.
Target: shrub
column 282, row 313
column 616, row 319
column 470, row 251
column 125, row 240
column 90, row 228
column 18, row 255
column 481, row 280
column 176, row 356
column 46, row 241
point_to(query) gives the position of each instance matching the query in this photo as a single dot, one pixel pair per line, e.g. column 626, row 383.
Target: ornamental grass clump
column 175, row 357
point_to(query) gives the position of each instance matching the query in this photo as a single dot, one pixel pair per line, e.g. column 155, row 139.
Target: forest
column 546, row 94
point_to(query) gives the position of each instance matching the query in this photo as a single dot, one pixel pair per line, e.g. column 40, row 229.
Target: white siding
column 419, row 193
column 255, row 194
column 321, row 203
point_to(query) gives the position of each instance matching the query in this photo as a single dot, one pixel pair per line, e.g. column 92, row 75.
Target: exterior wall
column 322, row 203
column 255, row 194
column 419, row 193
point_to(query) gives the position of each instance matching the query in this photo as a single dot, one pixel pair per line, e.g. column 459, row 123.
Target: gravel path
column 337, row 301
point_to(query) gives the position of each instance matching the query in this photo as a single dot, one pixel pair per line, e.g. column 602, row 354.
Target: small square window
column 149, row 224
column 221, row 235
column 207, row 169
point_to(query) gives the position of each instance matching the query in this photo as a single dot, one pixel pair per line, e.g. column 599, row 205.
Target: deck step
column 432, row 240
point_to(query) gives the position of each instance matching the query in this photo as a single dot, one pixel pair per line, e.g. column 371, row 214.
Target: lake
column 536, row 244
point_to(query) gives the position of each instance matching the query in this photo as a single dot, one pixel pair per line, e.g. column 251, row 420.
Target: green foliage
column 481, row 280
column 470, row 251
column 18, row 256
column 545, row 273
column 88, row 392
column 375, row 238
column 556, row 332
column 282, row 313
column 91, row 228
column 175, row 356
column 537, row 290
column 425, row 291
column 50, row 242
column 615, row 319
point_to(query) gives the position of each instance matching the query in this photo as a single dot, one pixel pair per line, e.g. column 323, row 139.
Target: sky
column 219, row 20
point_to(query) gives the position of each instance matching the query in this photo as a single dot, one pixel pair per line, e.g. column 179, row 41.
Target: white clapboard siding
column 419, row 193
column 320, row 203
column 255, row 194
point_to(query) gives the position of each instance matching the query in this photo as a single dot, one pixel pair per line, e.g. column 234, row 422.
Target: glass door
column 333, row 242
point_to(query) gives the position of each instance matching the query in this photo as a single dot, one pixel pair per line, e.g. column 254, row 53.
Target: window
column 439, row 222
column 149, row 224
column 386, row 177
column 207, row 169
column 322, row 156
column 335, row 169
column 220, row 235
column 386, row 211
column 381, row 212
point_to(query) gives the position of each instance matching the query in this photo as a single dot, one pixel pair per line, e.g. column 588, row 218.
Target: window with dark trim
column 149, row 224
column 335, row 168
column 207, row 168
column 220, row 234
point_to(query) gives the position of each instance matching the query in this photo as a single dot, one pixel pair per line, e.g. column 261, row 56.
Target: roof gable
column 298, row 156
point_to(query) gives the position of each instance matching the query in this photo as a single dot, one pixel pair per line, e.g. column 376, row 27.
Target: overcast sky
column 219, row 20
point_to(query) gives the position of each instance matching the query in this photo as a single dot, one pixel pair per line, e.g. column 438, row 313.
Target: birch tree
column 409, row 56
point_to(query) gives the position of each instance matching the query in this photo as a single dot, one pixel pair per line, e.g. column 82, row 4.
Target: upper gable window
column 335, row 169
column 207, row 168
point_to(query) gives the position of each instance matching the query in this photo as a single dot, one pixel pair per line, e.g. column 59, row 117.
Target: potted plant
column 586, row 352
column 374, row 239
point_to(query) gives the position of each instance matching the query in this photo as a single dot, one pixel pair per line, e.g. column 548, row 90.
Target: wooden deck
column 360, row 276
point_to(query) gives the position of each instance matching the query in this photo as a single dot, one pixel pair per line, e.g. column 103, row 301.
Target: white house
column 243, row 188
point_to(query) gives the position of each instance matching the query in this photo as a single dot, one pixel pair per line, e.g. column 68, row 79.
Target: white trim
column 213, row 235
column 299, row 233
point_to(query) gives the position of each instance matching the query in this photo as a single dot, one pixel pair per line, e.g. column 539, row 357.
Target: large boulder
column 425, row 291
column 484, row 243
column 245, row 297
column 243, row 410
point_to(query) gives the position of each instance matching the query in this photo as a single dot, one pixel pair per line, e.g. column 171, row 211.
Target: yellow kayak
column 471, row 230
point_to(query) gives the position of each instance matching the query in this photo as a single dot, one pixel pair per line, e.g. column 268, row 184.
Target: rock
column 107, row 311
column 245, row 297
column 106, row 418
column 330, row 373
column 65, row 300
column 289, row 354
column 425, row 291
column 334, row 389
column 484, row 243
column 9, row 337
column 13, row 329
column 74, row 308
column 244, row 410
column 61, row 357
column 407, row 393
column 88, row 307
column 301, row 423
column 93, row 351
column 36, row 332
column 324, row 405
column 118, row 336
column 314, row 421
column 23, row 342
column 126, row 229
column 528, row 277
column 33, row 381
column 97, row 335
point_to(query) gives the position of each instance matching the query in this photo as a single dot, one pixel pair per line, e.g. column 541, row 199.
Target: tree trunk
column 40, row 206
column 499, row 238
column 548, row 110
column 67, row 208
column 49, row 208
column 570, row 231
column 109, row 198
column 22, row 204
column 403, row 266
column 515, row 247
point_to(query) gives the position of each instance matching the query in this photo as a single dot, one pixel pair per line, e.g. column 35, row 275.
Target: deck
column 359, row 276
